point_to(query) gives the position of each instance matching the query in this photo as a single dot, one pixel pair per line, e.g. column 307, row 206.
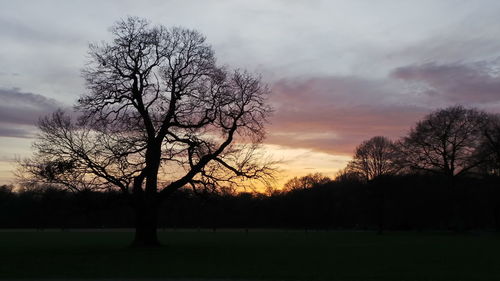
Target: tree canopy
column 446, row 141
column 374, row 157
column 159, row 114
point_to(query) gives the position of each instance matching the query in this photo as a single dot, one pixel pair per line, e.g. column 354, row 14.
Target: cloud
column 9, row 74
column 19, row 30
column 20, row 111
column 24, row 108
column 465, row 83
column 334, row 114
column 7, row 130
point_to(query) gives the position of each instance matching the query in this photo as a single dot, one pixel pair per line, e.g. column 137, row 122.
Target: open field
column 277, row 255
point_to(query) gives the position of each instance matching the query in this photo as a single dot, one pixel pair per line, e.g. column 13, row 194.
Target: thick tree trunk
column 146, row 224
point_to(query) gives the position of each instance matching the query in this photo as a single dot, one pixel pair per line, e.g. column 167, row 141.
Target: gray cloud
column 477, row 82
column 335, row 113
column 20, row 111
column 9, row 74
column 6, row 130
column 20, row 31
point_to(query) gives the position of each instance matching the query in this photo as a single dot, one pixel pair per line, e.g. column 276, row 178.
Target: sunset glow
column 339, row 72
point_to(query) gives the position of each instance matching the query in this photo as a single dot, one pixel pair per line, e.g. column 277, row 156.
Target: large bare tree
column 445, row 142
column 159, row 115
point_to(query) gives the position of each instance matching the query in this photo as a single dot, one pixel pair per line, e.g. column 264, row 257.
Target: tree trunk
column 146, row 224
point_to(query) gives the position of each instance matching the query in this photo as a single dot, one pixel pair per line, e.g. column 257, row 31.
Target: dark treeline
column 398, row 202
column 444, row 175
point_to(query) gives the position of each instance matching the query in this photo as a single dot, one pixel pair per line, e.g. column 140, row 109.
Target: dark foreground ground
column 272, row 255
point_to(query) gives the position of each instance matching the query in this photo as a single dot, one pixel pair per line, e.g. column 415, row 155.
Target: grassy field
column 256, row 255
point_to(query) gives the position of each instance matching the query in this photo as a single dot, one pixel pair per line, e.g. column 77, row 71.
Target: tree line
column 444, row 175
column 399, row 202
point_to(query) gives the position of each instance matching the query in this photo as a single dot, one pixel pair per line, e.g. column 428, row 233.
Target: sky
column 340, row 71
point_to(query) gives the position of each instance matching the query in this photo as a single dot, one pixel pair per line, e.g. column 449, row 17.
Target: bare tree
column 159, row 115
column 374, row 157
column 445, row 142
column 489, row 150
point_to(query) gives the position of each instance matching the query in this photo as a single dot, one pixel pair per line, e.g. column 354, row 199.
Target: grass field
column 256, row 255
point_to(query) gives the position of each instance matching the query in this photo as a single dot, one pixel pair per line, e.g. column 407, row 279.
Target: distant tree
column 374, row 157
column 159, row 115
column 445, row 142
column 489, row 150
column 305, row 182
column 6, row 191
column 6, row 188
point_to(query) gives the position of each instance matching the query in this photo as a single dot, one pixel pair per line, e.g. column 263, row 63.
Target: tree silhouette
column 490, row 147
column 374, row 157
column 159, row 115
column 445, row 142
column 448, row 143
column 305, row 182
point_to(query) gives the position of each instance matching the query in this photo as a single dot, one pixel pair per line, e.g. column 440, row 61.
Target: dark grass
column 258, row 255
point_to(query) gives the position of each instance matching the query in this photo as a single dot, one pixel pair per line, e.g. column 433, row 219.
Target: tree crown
column 158, row 110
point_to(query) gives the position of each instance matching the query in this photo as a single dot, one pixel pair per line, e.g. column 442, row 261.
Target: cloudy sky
column 340, row 71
